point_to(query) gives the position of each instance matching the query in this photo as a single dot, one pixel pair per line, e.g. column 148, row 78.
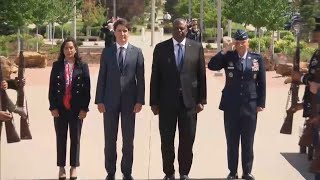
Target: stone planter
column 315, row 37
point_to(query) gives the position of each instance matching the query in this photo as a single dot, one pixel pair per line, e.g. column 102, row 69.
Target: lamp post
column 114, row 9
column 297, row 30
column 74, row 22
column 219, row 33
column 153, row 11
column 201, row 16
column 189, row 9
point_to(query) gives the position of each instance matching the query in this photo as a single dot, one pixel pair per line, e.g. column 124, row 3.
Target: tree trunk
column 259, row 46
column 53, row 35
column 62, row 33
column 88, row 32
column 272, row 47
column 18, row 40
column 37, row 43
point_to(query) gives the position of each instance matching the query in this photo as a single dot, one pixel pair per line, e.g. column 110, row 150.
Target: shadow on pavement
column 300, row 163
column 139, row 179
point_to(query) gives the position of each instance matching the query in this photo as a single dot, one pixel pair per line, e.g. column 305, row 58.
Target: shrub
column 285, row 33
column 267, row 40
column 254, row 44
column 209, row 33
column 307, row 53
column 288, row 38
column 209, row 46
column 167, row 28
column 251, row 34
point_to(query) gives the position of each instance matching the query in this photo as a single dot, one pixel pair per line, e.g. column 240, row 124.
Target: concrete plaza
column 276, row 155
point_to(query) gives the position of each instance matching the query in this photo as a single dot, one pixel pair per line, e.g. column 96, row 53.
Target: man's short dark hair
column 123, row 22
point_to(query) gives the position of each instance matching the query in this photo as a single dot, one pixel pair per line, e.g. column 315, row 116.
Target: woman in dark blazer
column 69, row 97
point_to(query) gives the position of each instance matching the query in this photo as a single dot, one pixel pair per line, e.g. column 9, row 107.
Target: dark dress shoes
column 248, row 176
column 129, row 177
column 110, row 177
column 232, row 176
column 169, row 177
column 73, row 178
column 62, row 178
column 184, row 177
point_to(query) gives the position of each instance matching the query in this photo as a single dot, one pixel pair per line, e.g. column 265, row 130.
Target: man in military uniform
column 311, row 87
column 242, row 98
column 194, row 32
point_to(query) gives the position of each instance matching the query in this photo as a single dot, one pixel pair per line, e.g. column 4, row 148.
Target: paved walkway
column 276, row 156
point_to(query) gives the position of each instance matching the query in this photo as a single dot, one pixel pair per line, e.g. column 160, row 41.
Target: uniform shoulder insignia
column 255, row 53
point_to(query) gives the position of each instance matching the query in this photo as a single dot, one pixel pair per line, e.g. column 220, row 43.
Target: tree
column 92, row 14
column 39, row 15
column 16, row 13
column 308, row 11
column 263, row 13
column 65, row 9
column 169, row 7
column 209, row 13
column 126, row 8
column 237, row 11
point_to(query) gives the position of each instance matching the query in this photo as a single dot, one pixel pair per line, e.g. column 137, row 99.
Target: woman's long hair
column 76, row 55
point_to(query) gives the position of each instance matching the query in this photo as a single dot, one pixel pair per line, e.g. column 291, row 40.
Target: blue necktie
column 120, row 59
column 242, row 60
column 180, row 57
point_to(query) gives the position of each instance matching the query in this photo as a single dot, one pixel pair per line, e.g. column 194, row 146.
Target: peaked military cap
column 240, row 35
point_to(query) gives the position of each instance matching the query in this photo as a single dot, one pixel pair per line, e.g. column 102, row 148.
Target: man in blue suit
column 242, row 98
column 120, row 91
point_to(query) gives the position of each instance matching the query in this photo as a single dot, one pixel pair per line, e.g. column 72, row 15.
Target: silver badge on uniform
column 255, row 65
column 314, row 62
column 313, row 71
column 230, row 74
column 255, row 76
column 231, row 66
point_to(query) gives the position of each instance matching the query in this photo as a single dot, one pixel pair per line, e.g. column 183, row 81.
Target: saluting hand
column 259, row 109
column 55, row 113
column 137, row 108
column 101, row 108
column 227, row 44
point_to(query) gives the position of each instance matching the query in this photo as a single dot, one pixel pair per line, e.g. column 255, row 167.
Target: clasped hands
column 82, row 114
column 155, row 109
column 137, row 108
column 4, row 84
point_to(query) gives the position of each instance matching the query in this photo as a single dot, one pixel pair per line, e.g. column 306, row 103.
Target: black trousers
column 187, row 122
column 111, row 123
column 240, row 124
column 68, row 118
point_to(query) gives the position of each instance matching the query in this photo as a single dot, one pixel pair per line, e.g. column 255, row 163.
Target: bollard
column 143, row 34
column 161, row 34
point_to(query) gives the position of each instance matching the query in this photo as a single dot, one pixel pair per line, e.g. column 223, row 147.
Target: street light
column 189, row 9
column 114, row 9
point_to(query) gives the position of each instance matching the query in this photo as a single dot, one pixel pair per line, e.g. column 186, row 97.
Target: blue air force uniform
column 244, row 91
